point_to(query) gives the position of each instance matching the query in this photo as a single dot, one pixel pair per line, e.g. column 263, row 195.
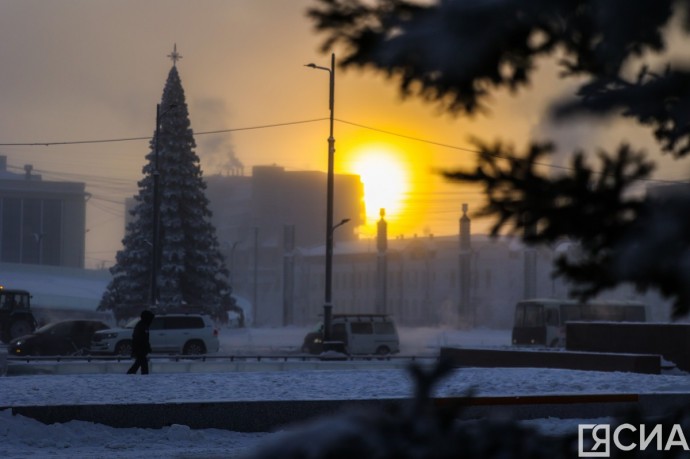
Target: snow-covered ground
column 22, row 437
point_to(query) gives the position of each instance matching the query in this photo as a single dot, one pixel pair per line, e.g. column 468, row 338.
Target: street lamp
column 342, row 222
column 327, row 306
column 155, row 239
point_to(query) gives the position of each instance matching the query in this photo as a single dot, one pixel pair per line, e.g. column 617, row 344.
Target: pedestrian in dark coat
column 141, row 347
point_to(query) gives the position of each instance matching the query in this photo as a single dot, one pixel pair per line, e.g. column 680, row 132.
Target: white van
column 361, row 334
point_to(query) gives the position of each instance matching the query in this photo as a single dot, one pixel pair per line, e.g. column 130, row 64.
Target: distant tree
column 192, row 270
column 458, row 53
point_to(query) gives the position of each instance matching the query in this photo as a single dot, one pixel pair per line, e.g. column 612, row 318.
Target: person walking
column 141, row 347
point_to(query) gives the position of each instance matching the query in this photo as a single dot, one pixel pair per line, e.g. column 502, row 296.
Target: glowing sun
column 385, row 181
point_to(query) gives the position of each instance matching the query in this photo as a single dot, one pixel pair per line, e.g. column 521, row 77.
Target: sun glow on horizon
column 385, row 178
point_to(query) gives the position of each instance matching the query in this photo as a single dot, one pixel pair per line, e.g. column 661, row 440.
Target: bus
column 542, row 321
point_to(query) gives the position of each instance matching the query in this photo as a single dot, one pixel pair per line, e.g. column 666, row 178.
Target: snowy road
column 21, row 437
column 317, row 385
column 325, row 384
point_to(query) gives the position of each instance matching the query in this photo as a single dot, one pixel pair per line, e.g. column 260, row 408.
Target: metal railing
column 223, row 358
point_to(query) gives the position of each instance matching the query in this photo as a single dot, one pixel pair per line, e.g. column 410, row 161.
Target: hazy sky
column 75, row 70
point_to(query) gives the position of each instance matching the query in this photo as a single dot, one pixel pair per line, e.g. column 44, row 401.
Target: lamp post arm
column 342, row 222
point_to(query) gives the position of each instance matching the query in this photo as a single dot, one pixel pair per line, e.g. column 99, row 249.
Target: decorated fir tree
column 191, row 271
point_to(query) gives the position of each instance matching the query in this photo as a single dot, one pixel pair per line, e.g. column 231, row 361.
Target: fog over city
column 467, row 216
column 80, row 71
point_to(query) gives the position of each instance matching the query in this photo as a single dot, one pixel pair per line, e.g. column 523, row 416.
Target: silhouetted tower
column 381, row 264
column 288, row 273
column 465, row 308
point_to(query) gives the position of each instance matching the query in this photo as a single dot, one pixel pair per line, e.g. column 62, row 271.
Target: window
column 338, row 332
column 11, row 230
column 52, row 229
column 529, row 315
column 22, row 301
column 361, row 328
column 181, row 322
column 7, row 302
column 32, row 236
column 384, row 328
column 552, row 317
column 80, row 328
column 61, row 329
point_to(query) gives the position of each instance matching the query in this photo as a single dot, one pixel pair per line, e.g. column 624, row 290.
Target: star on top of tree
column 175, row 56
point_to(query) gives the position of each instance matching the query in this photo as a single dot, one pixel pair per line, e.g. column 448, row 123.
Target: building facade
column 246, row 208
column 424, row 282
column 41, row 222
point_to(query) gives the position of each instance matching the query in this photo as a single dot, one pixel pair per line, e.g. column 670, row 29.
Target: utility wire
column 469, row 150
column 129, row 139
column 409, row 137
column 291, row 123
column 265, row 126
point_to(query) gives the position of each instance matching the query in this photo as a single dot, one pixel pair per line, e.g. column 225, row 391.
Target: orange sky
column 83, row 69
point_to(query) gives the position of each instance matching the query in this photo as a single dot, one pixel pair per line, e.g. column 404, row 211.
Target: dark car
column 67, row 337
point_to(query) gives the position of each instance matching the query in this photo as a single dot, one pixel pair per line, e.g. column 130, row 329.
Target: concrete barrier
column 592, row 361
column 670, row 340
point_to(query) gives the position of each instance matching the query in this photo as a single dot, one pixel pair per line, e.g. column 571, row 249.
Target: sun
column 385, row 180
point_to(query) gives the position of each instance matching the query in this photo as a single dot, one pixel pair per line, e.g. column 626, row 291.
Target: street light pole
column 153, row 296
column 328, row 306
column 155, row 237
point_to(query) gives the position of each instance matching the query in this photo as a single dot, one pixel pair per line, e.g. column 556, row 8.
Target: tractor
column 16, row 318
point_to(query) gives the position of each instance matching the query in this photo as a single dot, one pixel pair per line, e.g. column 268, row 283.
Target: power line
column 264, row 126
column 292, row 123
column 409, row 137
column 469, row 150
column 129, row 139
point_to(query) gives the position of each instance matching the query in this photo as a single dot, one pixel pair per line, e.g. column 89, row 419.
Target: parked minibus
column 542, row 321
